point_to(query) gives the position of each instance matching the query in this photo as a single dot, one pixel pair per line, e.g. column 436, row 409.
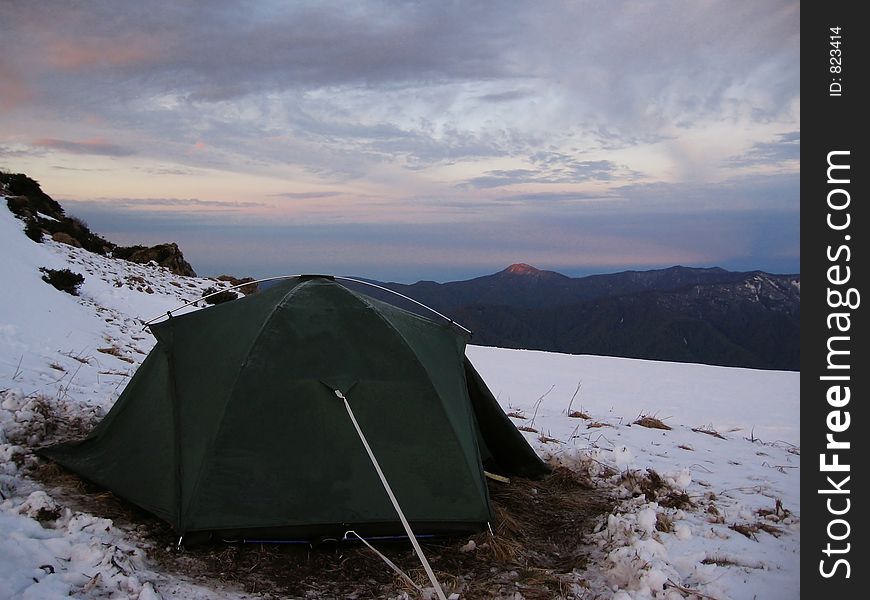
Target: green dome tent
column 232, row 428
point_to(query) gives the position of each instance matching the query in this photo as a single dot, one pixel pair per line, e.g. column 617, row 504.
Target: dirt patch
column 537, row 546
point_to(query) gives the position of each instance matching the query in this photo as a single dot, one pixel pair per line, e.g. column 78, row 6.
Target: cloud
column 78, row 169
column 500, row 178
column 93, row 146
column 307, row 195
column 149, row 204
column 14, row 89
column 169, row 171
column 778, row 192
column 552, row 167
column 71, row 54
column 15, row 152
column 508, row 112
column 508, row 96
column 785, row 149
column 575, row 242
column 558, row 197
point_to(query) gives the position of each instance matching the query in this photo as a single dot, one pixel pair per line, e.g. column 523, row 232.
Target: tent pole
column 359, row 281
column 395, row 502
column 418, row 303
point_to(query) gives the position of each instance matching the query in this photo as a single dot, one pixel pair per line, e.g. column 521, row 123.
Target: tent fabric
column 231, row 426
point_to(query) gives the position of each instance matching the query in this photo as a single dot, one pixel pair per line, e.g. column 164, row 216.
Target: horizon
column 411, row 141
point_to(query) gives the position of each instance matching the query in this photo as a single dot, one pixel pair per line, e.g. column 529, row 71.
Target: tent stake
column 395, row 502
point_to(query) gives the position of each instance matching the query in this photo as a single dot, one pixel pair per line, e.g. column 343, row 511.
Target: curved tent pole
column 168, row 313
column 386, row 289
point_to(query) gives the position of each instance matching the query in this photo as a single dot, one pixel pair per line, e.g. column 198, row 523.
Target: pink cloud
column 13, row 90
column 79, row 54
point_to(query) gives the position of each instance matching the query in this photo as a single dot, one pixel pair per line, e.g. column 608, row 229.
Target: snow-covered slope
column 725, row 525
column 745, row 478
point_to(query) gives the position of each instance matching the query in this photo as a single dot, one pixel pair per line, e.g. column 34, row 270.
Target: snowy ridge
column 719, row 519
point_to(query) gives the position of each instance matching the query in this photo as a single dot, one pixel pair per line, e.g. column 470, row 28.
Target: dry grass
column 655, row 489
column 85, row 360
column 778, row 513
column 51, row 426
column 116, row 352
column 578, row 414
column 651, row 422
column 527, row 428
column 750, row 529
column 709, row 431
column 539, row 530
column 664, row 523
column 597, row 424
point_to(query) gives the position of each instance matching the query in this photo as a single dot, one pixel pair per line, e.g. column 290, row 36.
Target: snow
column 749, row 478
column 69, row 356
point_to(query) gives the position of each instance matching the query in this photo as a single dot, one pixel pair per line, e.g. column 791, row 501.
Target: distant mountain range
column 712, row 316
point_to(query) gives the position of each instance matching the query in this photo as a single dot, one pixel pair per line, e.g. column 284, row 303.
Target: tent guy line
column 395, row 502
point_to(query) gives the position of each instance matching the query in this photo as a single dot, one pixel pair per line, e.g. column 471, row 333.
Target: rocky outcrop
column 43, row 215
column 164, row 255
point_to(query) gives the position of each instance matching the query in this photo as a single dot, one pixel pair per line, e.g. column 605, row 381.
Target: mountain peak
column 522, row 269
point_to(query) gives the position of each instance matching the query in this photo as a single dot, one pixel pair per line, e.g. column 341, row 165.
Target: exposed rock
column 164, row 255
column 248, row 285
column 213, row 296
column 65, row 238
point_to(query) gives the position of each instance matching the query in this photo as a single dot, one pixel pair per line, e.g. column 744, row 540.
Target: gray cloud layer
column 539, row 109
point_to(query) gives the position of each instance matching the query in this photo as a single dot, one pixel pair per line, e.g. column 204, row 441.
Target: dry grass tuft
column 652, row 423
column 664, row 523
column 654, row 489
column 116, row 352
column 750, row 529
column 527, row 428
column 709, row 431
column 729, row 561
column 675, row 499
column 578, row 414
column 546, row 439
column 768, row 528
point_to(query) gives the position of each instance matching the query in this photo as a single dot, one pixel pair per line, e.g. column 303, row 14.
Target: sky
column 415, row 140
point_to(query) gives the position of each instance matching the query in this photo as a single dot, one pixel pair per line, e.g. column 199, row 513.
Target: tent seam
column 417, row 360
